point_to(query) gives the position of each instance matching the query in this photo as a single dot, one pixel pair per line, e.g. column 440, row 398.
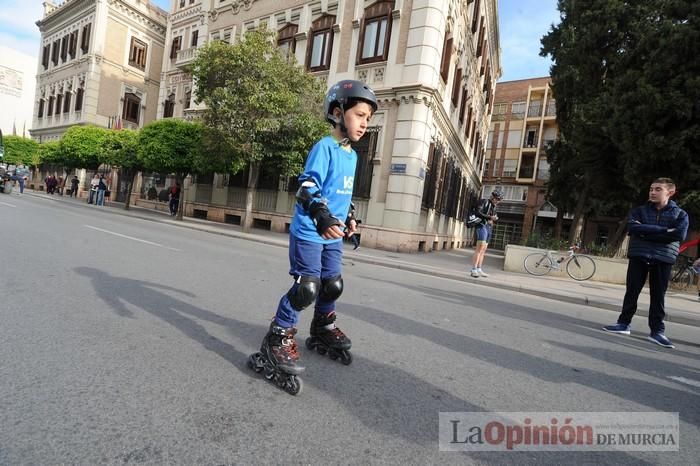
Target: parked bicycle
column 682, row 272
column 580, row 267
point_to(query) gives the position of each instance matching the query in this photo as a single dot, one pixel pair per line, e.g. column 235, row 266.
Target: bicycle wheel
column 580, row 267
column 682, row 279
column 537, row 263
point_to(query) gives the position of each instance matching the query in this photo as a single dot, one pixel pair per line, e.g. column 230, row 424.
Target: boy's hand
column 334, row 231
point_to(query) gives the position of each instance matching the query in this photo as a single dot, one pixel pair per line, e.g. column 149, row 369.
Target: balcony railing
column 185, row 56
column 534, row 111
column 551, row 110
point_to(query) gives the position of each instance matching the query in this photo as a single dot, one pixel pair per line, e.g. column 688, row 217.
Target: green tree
column 260, row 111
column 83, row 147
column 174, row 146
column 627, row 89
column 19, row 150
column 122, row 150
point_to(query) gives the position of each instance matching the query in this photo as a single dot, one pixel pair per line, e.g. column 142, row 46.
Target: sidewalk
column 683, row 308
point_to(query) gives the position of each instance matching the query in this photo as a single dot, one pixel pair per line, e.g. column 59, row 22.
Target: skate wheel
column 293, row 385
column 346, row 358
column 269, row 372
column 253, row 363
column 309, row 344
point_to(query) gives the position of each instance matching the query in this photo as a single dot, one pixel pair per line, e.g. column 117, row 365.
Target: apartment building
column 433, row 65
column 523, row 124
column 100, row 63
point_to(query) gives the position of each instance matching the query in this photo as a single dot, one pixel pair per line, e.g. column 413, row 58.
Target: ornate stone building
column 433, row 65
column 100, row 63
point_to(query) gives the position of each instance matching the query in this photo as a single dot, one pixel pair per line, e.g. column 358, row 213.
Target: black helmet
column 343, row 92
column 497, row 194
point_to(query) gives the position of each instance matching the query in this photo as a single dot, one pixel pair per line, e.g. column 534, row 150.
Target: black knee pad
column 331, row 288
column 304, row 292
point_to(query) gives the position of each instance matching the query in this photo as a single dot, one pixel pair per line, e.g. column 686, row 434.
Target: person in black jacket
column 656, row 230
column 487, row 213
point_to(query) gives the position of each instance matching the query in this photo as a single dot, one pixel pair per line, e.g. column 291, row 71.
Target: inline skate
column 278, row 359
column 327, row 338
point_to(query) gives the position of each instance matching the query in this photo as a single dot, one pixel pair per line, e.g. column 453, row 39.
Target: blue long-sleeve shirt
column 332, row 169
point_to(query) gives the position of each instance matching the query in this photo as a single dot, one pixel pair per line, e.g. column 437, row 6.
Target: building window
column 318, row 53
column 41, row 108
column 286, row 43
column 73, row 43
column 79, row 99
column 475, row 15
column 365, row 148
column 446, row 57
column 182, row 3
column 509, row 167
column 46, row 56
column 169, row 109
column 517, row 111
column 191, row 2
column 137, row 54
column 64, row 48
column 456, row 86
column 376, row 31
column 55, row 52
column 188, row 99
column 177, row 44
column 463, row 105
column 132, row 105
column 85, row 38
column 195, row 38
column 59, row 101
column 66, row 103
column 49, row 112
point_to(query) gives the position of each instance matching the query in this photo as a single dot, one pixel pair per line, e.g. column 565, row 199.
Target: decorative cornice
column 134, row 14
column 194, row 11
column 238, row 4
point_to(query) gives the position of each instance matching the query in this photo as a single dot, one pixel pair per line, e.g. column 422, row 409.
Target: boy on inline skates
column 315, row 240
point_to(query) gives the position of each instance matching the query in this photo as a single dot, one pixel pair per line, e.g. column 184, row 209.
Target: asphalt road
column 125, row 341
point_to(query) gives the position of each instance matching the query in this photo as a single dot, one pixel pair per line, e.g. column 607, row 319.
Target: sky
column 521, row 24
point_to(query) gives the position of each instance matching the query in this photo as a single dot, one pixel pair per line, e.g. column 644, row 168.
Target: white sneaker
column 475, row 273
column 483, row 274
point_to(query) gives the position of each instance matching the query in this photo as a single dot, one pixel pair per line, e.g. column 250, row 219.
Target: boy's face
column 357, row 119
column 660, row 193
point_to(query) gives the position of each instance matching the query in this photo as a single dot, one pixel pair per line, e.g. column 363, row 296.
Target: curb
column 383, row 262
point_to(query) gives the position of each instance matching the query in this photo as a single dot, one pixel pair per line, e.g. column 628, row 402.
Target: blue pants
column 100, row 197
column 310, row 260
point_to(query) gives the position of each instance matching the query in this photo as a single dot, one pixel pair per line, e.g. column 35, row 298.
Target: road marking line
column 132, row 238
column 693, row 383
column 8, row 205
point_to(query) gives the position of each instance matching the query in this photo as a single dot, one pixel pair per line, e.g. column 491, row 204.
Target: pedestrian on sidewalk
column 174, row 194
column 92, row 198
column 696, row 269
column 486, row 211
column 101, row 190
column 316, row 236
column 74, row 186
column 656, row 230
column 352, row 223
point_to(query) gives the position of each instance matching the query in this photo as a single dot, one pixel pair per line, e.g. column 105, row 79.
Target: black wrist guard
column 322, row 217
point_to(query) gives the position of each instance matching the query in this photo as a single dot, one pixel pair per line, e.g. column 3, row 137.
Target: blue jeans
column 310, row 260
column 100, row 197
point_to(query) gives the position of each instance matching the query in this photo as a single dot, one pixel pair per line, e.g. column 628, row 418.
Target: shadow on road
column 382, row 397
